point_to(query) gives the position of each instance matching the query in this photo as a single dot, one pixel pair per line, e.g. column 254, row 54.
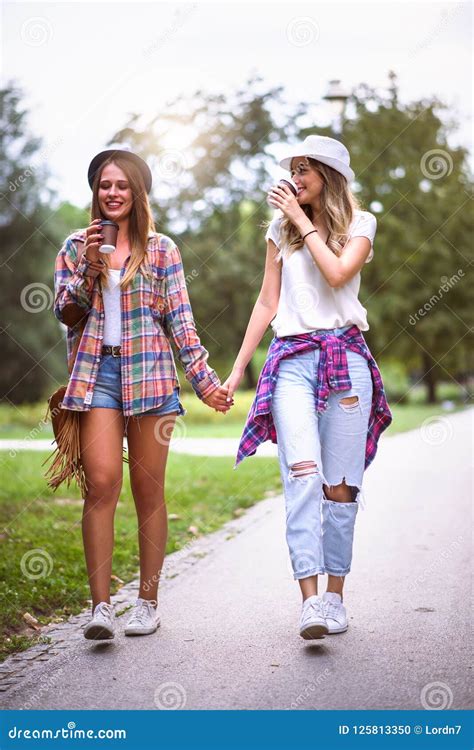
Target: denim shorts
column 320, row 530
column 108, row 390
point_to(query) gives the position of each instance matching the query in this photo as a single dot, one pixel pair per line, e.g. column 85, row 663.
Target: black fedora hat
column 99, row 159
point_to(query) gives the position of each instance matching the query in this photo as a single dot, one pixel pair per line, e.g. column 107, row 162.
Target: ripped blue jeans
column 316, row 450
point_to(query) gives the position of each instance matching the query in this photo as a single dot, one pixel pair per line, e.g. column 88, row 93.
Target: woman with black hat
column 122, row 311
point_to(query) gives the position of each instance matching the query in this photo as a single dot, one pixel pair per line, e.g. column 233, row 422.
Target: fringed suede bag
column 66, row 457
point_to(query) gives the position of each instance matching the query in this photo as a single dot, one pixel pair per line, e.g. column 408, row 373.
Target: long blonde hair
column 338, row 206
column 141, row 221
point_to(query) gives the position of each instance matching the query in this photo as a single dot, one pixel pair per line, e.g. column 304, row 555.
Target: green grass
column 27, row 422
column 203, row 492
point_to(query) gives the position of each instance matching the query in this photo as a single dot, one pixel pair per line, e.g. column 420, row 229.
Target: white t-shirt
column 307, row 302
column 112, row 309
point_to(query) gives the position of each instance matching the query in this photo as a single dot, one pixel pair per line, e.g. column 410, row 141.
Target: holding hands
column 218, row 400
column 222, row 399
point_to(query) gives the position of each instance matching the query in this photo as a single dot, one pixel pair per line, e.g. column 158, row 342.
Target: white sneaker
column 313, row 623
column 101, row 626
column 335, row 612
column 144, row 618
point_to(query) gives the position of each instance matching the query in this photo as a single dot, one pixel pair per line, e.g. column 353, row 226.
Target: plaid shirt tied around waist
column 333, row 373
column 154, row 312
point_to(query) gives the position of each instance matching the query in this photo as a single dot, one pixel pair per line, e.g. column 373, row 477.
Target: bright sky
column 85, row 66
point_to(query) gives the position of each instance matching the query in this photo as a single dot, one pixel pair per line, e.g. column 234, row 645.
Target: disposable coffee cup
column 289, row 182
column 293, row 187
column 110, row 231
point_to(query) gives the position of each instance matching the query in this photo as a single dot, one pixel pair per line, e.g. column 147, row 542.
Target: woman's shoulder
column 160, row 243
column 362, row 217
column 69, row 245
column 273, row 229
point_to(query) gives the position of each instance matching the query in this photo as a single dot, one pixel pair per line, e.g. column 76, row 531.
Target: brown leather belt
column 113, row 350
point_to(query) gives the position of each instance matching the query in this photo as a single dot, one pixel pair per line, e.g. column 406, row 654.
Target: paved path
column 194, row 446
column 230, row 608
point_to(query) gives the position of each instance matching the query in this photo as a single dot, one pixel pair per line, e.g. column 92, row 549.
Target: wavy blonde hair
column 141, row 221
column 338, row 206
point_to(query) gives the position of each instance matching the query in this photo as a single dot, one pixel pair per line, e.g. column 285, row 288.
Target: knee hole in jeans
column 349, row 403
column 333, row 492
column 303, row 469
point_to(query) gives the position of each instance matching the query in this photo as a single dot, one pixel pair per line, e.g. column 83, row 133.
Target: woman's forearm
column 262, row 315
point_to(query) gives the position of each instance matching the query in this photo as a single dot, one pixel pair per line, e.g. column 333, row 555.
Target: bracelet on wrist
column 310, row 232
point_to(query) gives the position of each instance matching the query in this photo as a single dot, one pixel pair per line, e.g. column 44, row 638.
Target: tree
column 417, row 287
column 31, row 341
column 212, row 194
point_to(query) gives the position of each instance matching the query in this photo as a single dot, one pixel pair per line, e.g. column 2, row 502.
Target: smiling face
column 115, row 194
column 308, row 180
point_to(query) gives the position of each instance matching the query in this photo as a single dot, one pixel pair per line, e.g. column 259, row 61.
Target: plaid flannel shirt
column 155, row 311
column 333, row 373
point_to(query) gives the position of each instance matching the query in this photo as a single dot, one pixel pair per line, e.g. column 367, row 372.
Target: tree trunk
column 429, row 377
column 250, row 380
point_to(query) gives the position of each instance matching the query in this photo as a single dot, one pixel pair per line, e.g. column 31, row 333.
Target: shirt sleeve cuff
column 205, row 382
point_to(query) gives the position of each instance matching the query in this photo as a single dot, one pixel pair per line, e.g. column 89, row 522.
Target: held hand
column 281, row 197
column 218, row 400
column 233, row 381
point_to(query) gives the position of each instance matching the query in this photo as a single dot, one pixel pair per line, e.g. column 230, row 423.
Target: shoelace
column 141, row 612
column 316, row 607
column 331, row 609
column 103, row 610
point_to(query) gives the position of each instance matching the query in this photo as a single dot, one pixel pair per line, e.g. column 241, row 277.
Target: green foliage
column 33, row 359
column 210, row 196
column 420, row 190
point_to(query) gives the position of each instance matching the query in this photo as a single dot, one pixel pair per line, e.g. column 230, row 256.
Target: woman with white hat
column 320, row 395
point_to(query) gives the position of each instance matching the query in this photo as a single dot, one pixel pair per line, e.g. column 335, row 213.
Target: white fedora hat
column 328, row 150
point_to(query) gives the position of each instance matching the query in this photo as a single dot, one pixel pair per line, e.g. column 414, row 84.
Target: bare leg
column 340, row 493
column 308, row 586
column 101, row 435
column 148, row 443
